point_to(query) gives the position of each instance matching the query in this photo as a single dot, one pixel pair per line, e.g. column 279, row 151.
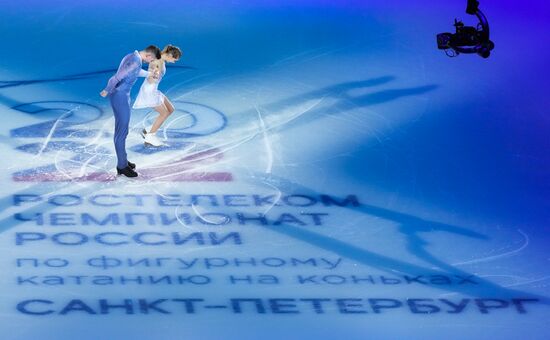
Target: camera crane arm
column 473, row 9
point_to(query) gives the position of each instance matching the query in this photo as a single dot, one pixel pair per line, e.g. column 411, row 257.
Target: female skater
column 150, row 96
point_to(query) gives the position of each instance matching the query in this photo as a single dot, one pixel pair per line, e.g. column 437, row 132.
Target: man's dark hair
column 173, row 51
column 153, row 49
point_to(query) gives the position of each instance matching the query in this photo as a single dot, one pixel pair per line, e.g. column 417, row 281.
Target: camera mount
column 468, row 39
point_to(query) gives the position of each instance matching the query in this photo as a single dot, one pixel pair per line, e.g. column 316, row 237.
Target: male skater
column 118, row 89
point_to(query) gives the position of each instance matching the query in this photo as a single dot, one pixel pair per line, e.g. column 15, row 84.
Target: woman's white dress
column 149, row 94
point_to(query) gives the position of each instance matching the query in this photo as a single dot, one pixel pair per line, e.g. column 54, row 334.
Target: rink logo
column 356, row 306
column 78, row 155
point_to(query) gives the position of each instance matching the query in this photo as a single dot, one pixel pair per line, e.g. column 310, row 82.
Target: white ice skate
column 151, row 139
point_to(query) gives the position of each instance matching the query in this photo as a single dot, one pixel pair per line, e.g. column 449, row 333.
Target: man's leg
column 121, row 109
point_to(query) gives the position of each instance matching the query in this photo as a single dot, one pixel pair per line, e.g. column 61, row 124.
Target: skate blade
column 149, row 145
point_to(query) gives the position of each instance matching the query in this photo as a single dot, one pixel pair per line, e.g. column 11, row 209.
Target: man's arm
column 143, row 73
column 127, row 66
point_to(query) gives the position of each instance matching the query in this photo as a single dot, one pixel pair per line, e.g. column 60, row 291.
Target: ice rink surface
column 329, row 173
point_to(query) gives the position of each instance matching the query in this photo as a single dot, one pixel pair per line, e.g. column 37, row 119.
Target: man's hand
column 103, row 93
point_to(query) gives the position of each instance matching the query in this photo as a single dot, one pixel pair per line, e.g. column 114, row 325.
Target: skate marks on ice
column 410, row 227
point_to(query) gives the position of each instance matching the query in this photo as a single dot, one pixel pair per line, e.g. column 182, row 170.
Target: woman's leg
column 169, row 105
column 163, row 114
